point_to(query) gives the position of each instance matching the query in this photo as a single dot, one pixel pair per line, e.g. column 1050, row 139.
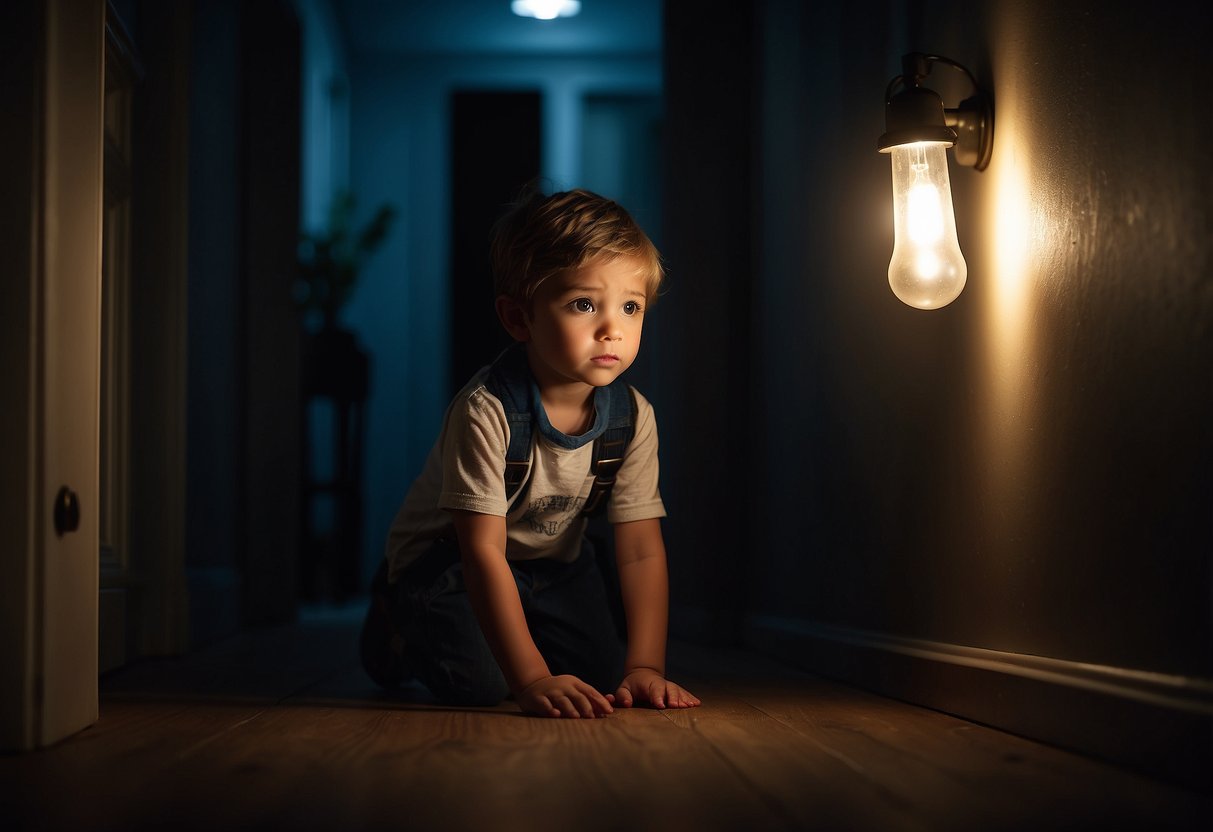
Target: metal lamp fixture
column 927, row 269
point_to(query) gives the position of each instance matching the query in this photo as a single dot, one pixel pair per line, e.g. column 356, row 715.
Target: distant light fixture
column 545, row 9
column 927, row 269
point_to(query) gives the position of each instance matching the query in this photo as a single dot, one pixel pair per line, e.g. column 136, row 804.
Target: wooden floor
column 280, row 730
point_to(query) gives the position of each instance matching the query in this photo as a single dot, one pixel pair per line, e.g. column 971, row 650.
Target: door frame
column 53, row 66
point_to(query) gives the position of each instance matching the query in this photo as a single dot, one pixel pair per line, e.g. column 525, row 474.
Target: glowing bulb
column 545, row 9
column 927, row 270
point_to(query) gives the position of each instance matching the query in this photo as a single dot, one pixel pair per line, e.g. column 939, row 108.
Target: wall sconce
column 927, row 269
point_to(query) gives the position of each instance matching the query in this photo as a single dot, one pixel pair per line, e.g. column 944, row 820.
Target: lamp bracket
column 972, row 120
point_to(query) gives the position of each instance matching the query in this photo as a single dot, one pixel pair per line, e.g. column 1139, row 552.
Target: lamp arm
column 972, row 120
column 888, row 91
column 927, row 60
column 916, row 66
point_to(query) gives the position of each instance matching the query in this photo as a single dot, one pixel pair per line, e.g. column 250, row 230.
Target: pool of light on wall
column 1010, row 269
column 1012, row 249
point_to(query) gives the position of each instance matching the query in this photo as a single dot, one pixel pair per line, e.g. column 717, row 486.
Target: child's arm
column 494, row 597
column 644, row 585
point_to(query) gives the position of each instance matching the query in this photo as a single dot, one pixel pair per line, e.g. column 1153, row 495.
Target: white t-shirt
column 466, row 467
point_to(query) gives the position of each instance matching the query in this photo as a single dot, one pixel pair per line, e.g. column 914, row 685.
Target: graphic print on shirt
column 551, row 515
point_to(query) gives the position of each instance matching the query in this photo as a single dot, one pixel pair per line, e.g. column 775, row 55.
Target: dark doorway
column 496, row 147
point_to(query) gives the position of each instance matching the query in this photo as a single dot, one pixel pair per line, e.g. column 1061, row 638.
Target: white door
column 52, row 221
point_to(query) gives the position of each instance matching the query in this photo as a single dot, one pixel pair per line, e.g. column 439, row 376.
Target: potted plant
column 329, row 260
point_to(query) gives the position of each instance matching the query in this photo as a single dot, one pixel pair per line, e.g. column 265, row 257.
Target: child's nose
column 610, row 329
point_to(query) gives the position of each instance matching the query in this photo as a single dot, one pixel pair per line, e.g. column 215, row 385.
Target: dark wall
column 1021, row 478
column 270, row 323
column 703, row 401
column 496, row 148
column 243, row 424
column 213, row 465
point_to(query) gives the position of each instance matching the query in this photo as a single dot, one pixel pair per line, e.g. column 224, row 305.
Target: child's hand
column 647, row 685
column 565, row 696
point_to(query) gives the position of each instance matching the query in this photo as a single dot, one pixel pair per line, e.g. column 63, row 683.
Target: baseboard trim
column 1158, row 724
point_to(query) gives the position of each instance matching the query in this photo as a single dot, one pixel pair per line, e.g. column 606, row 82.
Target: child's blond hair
column 543, row 236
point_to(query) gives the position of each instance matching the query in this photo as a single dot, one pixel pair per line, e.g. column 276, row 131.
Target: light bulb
column 927, row 269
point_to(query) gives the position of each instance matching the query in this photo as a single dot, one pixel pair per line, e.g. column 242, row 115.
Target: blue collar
column 602, row 415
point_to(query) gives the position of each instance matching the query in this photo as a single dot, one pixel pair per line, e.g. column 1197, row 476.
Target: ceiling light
column 545, row 9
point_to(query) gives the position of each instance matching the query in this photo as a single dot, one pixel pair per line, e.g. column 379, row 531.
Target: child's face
column 584, row 326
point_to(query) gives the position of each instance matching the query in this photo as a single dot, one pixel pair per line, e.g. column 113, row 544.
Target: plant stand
column 336, row 377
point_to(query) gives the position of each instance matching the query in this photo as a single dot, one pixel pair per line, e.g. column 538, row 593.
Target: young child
column 482, row 595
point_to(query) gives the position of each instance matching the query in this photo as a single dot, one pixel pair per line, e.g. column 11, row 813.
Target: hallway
column 279, row 729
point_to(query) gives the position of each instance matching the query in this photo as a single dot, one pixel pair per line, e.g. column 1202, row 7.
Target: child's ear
column 514, row 318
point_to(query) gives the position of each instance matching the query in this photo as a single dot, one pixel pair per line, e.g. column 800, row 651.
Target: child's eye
column 631, row 307
column 583, row 305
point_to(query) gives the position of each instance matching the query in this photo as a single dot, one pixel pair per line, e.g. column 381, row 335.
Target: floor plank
column 808, row 784
column 280, row 729
column 957, row 775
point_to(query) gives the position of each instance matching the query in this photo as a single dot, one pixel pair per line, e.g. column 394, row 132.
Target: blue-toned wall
column 326, row 111
column 399, row 154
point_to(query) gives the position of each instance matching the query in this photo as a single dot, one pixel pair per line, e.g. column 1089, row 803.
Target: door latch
column 67, row 511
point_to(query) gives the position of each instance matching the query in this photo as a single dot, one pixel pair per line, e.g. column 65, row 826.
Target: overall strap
column 508, row 380
column 610, row 447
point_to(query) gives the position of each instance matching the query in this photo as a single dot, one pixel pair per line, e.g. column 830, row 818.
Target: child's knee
column 468, row 685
